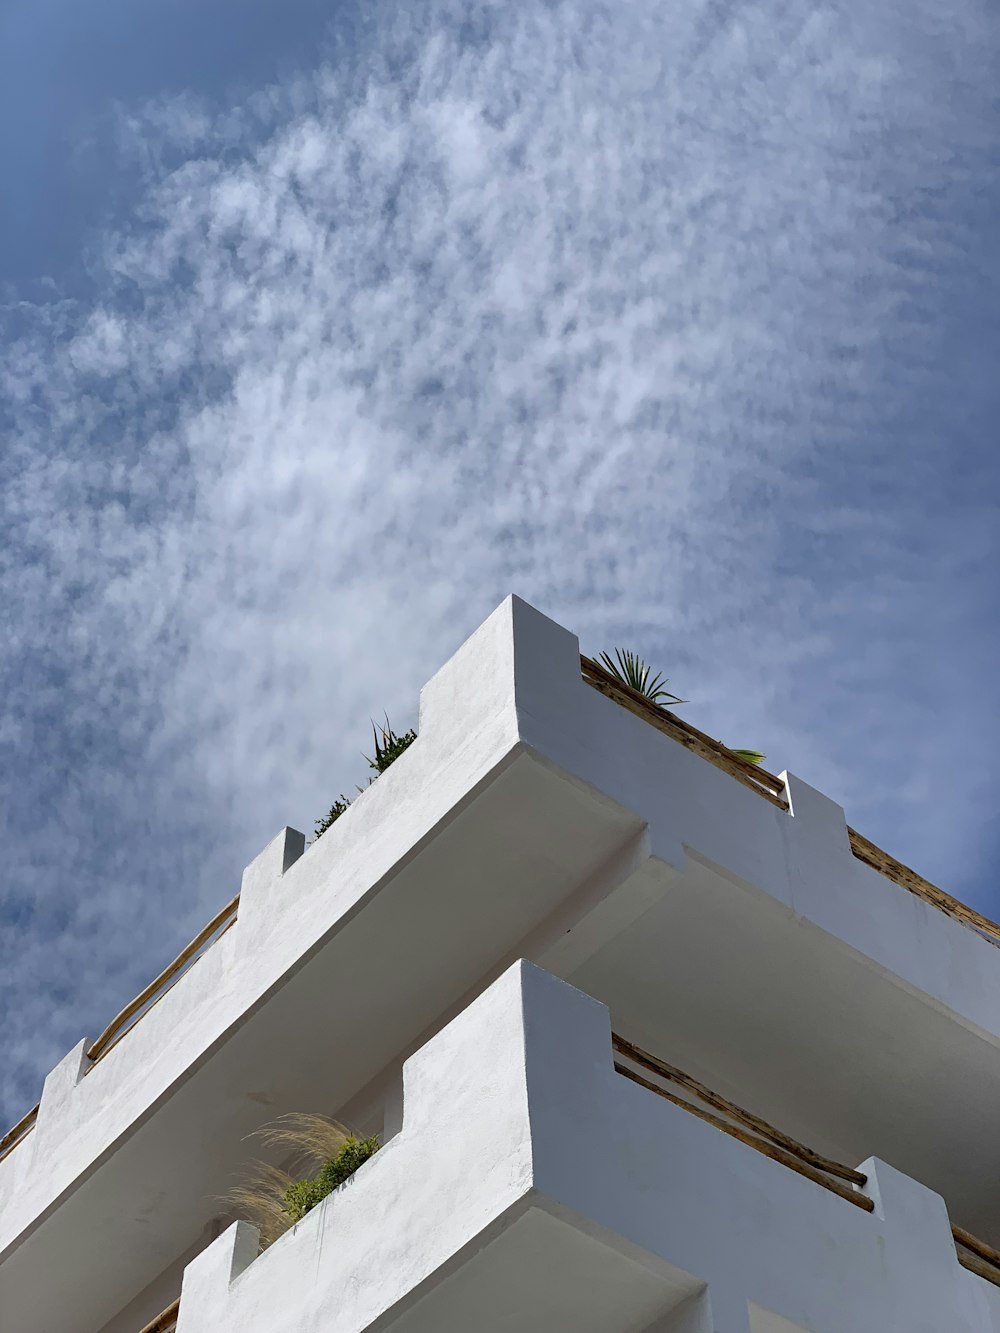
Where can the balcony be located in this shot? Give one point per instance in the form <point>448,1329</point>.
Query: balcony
<point>531,1186</point>
<point>729,919</point>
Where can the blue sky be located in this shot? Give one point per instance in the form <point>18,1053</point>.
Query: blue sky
<point>320,336</point>
<point>69,69</point>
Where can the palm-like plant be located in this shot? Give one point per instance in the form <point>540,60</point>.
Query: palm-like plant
<point>632,671</point>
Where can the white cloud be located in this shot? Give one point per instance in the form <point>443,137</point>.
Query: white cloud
<point>646,314</point>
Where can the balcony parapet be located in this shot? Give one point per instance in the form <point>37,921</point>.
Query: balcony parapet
<point>526,672</point>
<point>489,839</point>
<point>772,787</point>
<point>530,1183</point>
<point>287,903</point>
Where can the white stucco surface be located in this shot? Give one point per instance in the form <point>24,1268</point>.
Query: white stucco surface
<point>532,818</point>
<point>532,1187</point>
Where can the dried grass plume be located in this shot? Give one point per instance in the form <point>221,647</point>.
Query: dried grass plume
<point>309,1141</point>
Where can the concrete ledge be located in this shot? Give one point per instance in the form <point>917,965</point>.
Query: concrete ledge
<point>461,1161</point>
<point>531,1186</point>
<point>527,798</point>
<point>295,905</point>
<point>801,857</point>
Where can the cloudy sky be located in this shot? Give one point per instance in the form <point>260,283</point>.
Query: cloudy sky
<point>326,326</point>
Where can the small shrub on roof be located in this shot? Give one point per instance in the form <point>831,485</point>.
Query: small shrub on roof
<point>388,747</point>
<point>631,670</point>
<point>339,807</point>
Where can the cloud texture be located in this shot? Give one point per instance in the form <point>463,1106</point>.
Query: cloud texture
<point>680,321</point>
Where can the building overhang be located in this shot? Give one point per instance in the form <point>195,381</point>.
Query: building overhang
<point>532,1187</point>
<point>531,818</point>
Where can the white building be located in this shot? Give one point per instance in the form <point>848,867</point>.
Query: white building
<point>545,867</point>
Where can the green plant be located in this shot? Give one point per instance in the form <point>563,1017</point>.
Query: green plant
<point>339,807</point>
<point>388,747</point>
<point>751,756</point>
<point>273,1198</point>
<point>302,1195</point>
<point>632,671</point>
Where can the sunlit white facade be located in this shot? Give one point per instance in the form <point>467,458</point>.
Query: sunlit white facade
<point>543,868</point>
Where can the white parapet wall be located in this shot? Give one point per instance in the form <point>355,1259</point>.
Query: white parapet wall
<point>403,908</point>
<point>532,1187</point>
<point>532,818</point>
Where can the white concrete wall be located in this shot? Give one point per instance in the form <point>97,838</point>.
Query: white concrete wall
<point>515,686</point>
<point>802,858</point>
<point>757,1233</point>
<point>468,726</point>
<point>514,1111</point>
<point>128,1142</point>
<point>516,681</point>
<point>461,1160</point>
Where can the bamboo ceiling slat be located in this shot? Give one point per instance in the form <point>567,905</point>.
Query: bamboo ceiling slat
<point>166,1321</point>
<point>747,1118</point>
<point>981,1267</point>
<point>759,779</point>
<point>772,789</point>
<point>900,874</point>
<point>18,1132</point>
<point>161,983</point>
<point>764,1146</point>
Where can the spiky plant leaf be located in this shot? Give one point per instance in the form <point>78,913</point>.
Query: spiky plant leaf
<point>631,670</point>
<point>388,746</point>
<point>751,756</point>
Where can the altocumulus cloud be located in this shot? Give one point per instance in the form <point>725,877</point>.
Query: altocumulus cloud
<point>677,320</point>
